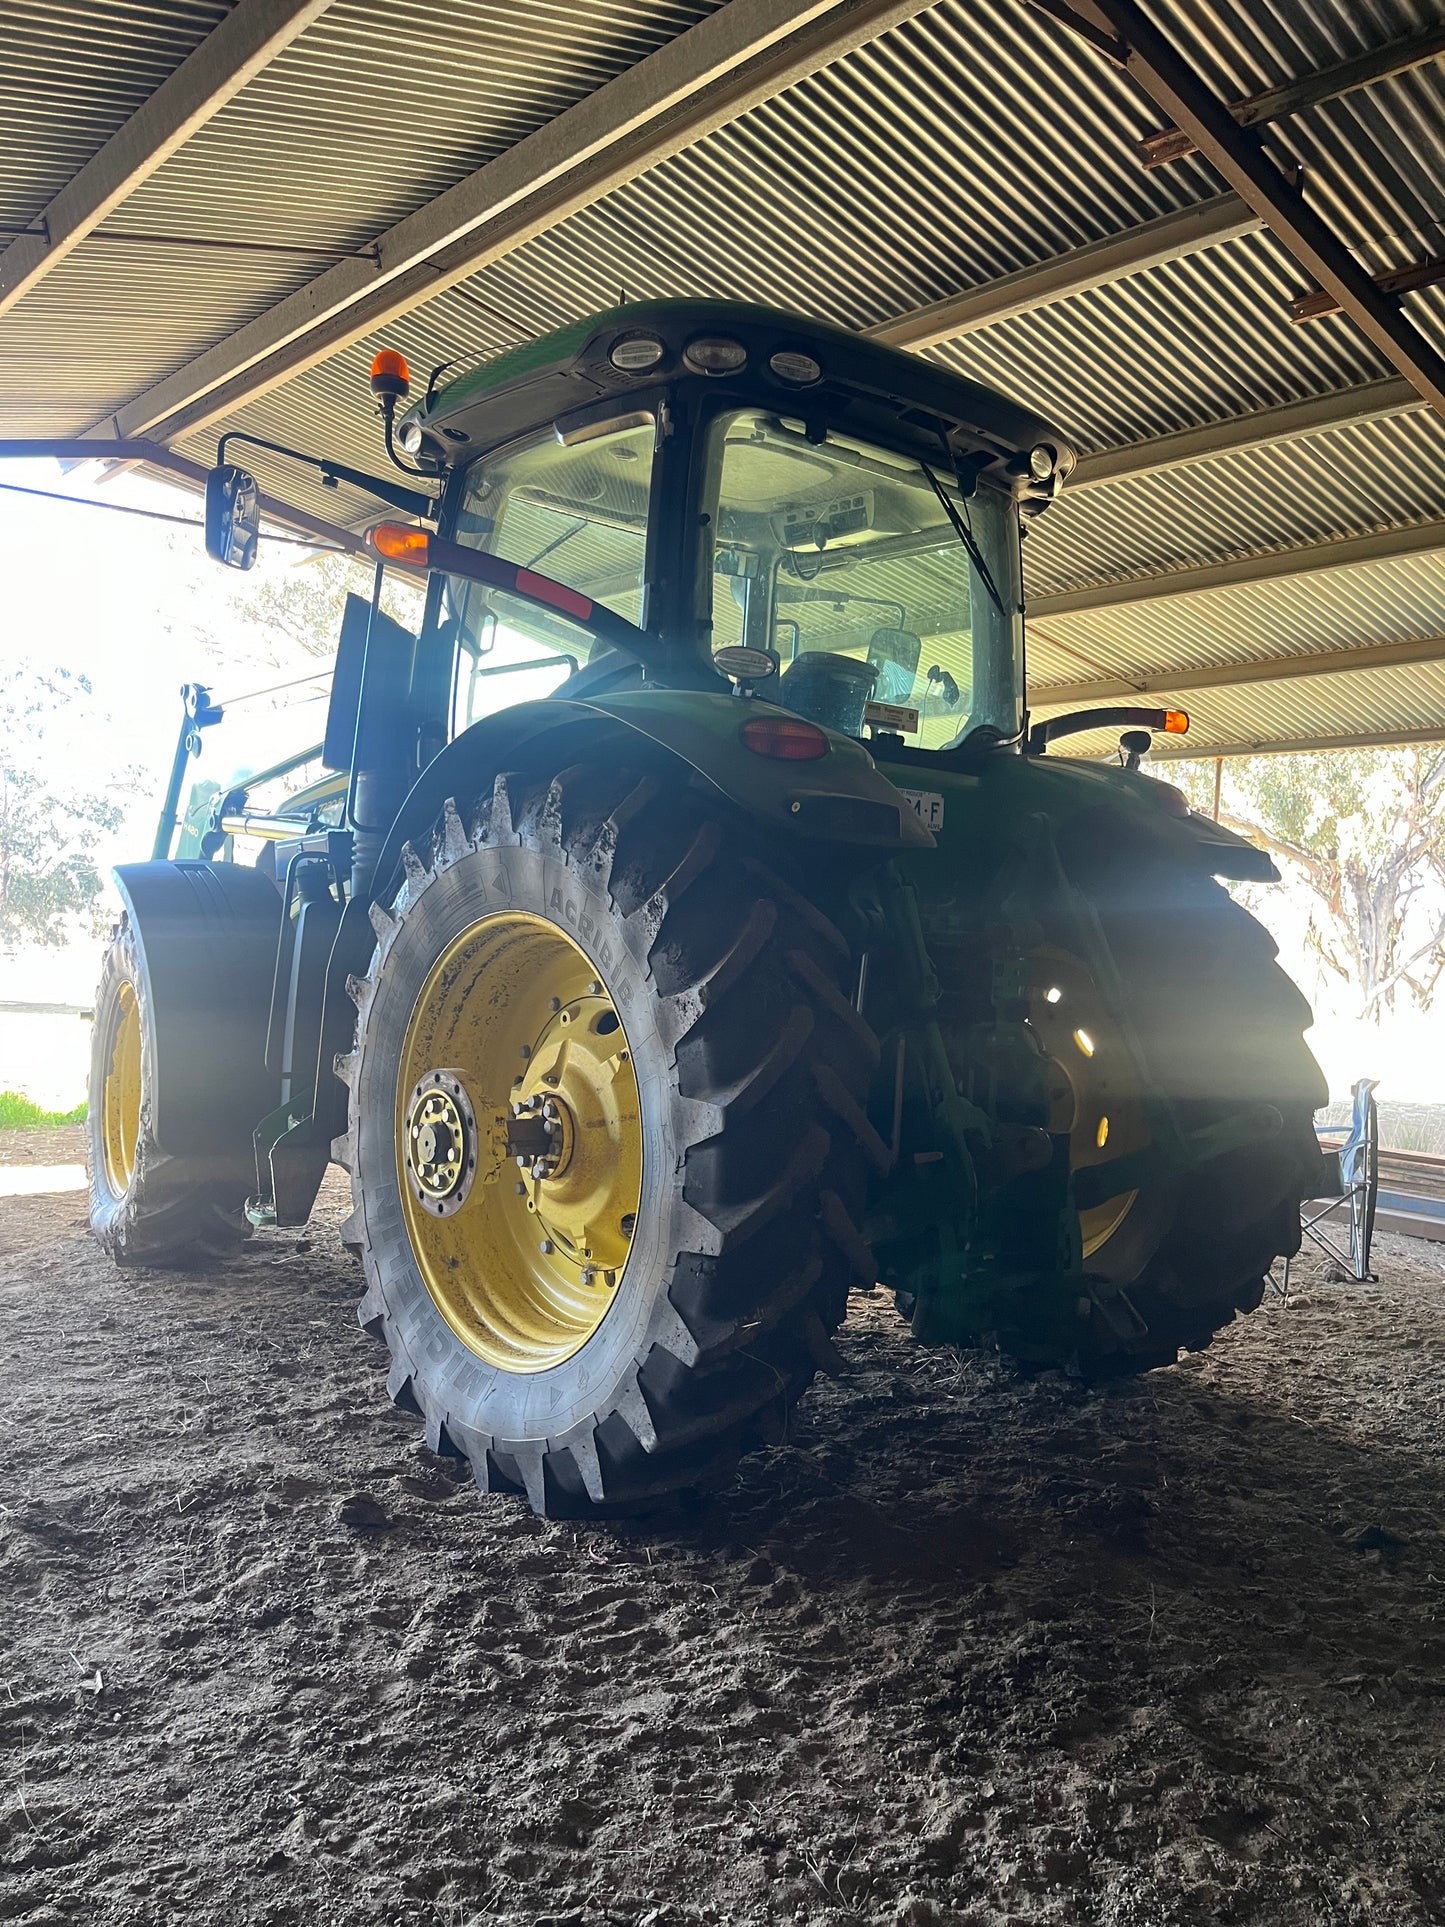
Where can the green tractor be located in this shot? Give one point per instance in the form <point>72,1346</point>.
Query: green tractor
<point>689,926</point>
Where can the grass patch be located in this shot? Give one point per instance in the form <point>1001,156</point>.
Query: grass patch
<point>18,1113</point>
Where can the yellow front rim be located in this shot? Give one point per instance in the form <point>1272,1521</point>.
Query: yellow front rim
<point>1094,1088</point>
<point>120,1120</point>
<point>518,1141</point>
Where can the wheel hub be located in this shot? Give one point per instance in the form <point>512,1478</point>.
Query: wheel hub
<point>441,1143</point>
<point>522,1223</point>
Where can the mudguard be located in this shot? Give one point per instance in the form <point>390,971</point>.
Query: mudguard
<point>206,937</point>
<point>838,798</point>
<point>1227,854</point>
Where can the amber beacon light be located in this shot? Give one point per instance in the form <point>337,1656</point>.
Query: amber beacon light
<point>390,376</point>
<point>400,544</point>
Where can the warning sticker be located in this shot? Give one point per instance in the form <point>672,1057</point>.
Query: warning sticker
<point>891,716</point>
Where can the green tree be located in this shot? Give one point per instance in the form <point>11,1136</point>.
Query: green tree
<point>1364,830</point>
<point>48,829</point>
<point>300,606</point>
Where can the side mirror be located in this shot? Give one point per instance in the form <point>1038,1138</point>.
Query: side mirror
<point>233,516</point>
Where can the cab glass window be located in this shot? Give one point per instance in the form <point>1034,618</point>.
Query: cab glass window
<point>573,509</point>
<point>846,559</point>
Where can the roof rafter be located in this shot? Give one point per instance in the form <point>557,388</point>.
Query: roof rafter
<point>1231,675</point>
<point>740,55</point>
<point>1350,551</point>
<point>234,52</point>
<point>1367,401</point>
<point>1292,745</point>
<point>1169,237</point>
<point>1162,71</point>
<point>1295,96</point>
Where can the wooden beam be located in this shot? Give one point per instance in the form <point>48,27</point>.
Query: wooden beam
<point>1158,66</point>
<point>1368,401</point>
<point>246,40</point>
<point>1345,553</point>
<point>743,53</point>
<point>1170,237</point>
<point>1233,675</point>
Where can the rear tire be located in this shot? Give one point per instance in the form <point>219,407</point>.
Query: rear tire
<point>751,1069</point>
<point>147,1207</point>
<point>1221,1027</point>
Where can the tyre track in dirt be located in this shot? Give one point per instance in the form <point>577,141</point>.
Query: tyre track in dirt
<point>962,1649</point>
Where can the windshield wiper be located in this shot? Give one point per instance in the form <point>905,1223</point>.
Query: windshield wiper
<point>969,540</point>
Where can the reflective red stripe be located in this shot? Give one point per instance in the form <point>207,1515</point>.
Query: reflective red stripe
<point>555,593</point>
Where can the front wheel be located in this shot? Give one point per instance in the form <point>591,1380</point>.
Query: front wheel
<point>604,1137</point>
<point>148,1207</point>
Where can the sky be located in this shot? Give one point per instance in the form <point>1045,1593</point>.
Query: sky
<point>138,608</point>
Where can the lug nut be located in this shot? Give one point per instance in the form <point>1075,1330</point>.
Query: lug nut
<point>546,1247</point>
<point>594,989</point>
<point>588,1274</point>
<point>526,1052</point>
<point>554,1004</point>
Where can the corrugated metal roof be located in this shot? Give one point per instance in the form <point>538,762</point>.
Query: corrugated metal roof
<point>73,74</point>
<point>972,142</point>
<point>410,102</point>
<point>1338,608</point>
<point>1350,481</point>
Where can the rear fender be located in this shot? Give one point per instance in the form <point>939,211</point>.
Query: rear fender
<point>838,798</point>
<point>206,935</point>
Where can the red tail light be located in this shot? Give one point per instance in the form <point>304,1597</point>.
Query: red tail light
<point>786,738</point>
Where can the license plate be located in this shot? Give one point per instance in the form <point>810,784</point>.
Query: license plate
<point>927,807</point>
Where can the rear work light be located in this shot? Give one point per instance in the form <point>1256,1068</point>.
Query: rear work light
<point>785,738</point>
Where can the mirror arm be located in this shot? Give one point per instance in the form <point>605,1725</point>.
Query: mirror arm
<point>409,500</point>
<point>1075,722</point>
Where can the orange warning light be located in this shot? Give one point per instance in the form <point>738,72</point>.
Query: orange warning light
<point>400,544</point>
<point>390,374</point>
<point>1176,722</point>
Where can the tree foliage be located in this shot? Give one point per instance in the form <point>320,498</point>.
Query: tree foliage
<point>49,825</point>
<point>1364,830</point>
<point>300,607</point>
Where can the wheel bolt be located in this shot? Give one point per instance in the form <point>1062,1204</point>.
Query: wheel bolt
<point>546,1247</point>
<point>594,989</point>
<point>554,1004</point>
<point>519,1187</point>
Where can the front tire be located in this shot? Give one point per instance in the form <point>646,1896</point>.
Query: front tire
<point>719,1227</point>
<point>147,1207</point>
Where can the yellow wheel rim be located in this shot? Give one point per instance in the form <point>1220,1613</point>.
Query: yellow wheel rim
<point>120,1101</point>
<point>1094,1088</point>
<point>518,1141</point>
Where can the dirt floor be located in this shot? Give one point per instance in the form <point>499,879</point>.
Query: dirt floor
<point>964,1650</point>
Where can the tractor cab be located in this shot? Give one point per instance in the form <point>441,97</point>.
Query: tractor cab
<point>725,481</point>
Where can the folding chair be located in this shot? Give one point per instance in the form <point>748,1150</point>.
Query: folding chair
<point>1358,1159</point>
